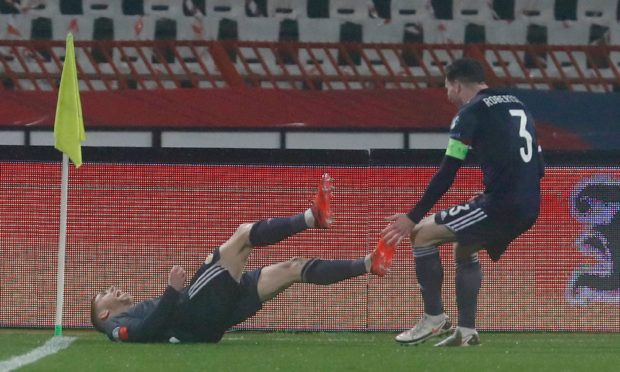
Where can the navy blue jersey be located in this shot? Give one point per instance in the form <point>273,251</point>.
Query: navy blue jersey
<point>202,312</point>
<point>147,321</point>
<point>501,133</point>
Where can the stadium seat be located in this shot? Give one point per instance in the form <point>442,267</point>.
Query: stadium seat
<point>163,8</point>
<point>15,27</point>
<point>194,29</point>
<point>71,7</point>
<point>503,9</point>
<point>287,8</point>
<point>472,10</point>
<point>318,30</point>
<point>92,60</point>
<point>197,28</point>
<point>505,32</point>
<point>49,8</point>
<point>102,8</point>
<point>19,59</point>
<point>226,8</point>
<point>352,10</point>
<point>411,10</point>
<point>133,28</point>
<point>288,32</point>
<point>442,32</point>
<point>567,33</point>
<point>77,25</point>
<point>534,10</point>
<point>132,7</point>
<point>258,29</point>
<point>383,61</point>
<point>597,11</point>
<point>377,31</point>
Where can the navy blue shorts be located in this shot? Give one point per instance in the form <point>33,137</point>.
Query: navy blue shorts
<point>217,302</point>
<point>476,223</point>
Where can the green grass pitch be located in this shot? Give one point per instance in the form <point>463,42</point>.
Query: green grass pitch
<point>338,351</point>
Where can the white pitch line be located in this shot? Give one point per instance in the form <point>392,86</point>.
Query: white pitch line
<point>52,346</point>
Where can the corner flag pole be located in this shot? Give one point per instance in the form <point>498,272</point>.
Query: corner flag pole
<point>68,135</point>
<point>62,244</point>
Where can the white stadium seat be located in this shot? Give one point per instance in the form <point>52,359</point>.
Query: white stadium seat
<point>411,10</point>
<point>442,32</point>
<point>291,9</point>
<point>348,9</point>
<point>505,32</point>
<point>534,10</point>
<point>567,33</point>
<point>225,8</point>
<point>163,8</point>
<point>102,8</point>
<point>472,10</point>
<point>597,11</point>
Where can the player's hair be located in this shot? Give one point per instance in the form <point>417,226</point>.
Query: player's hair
<point>465,70</point>
<point>94,319</point>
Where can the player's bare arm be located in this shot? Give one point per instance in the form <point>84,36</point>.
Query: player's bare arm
<point>400,228</point>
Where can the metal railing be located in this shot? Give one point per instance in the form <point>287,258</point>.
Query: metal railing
<point>117,65</point>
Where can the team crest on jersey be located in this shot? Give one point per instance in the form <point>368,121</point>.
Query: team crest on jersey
<point>120,334</point>
<point>455,121</point>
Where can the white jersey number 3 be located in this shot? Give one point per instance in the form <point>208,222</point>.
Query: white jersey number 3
<point>526,153</point>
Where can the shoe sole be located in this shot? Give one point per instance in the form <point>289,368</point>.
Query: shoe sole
<point>442,333</point>
<point>322,214</point>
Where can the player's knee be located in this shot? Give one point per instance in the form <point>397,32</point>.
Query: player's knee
<point>243,231</point>
<point>296,264</point>
<point>465,253</point>
<point>427,233</point>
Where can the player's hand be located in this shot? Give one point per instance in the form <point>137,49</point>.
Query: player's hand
<point>400,228</point>
<point>176,278</point>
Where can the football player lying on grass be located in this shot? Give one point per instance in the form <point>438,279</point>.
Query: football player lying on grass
<point>220,294</point>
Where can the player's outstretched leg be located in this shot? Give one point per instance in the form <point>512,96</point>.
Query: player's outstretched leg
<point>278,277</point>
<point>319,215</point>
<point>235,251</point>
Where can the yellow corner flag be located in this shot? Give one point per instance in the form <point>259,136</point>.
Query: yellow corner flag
<point>69,125</point>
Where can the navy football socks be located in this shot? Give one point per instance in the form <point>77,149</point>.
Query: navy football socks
<point>326,272</point>
<point>274,230</point>
<point>429,272</point>
<point>468,282</point>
